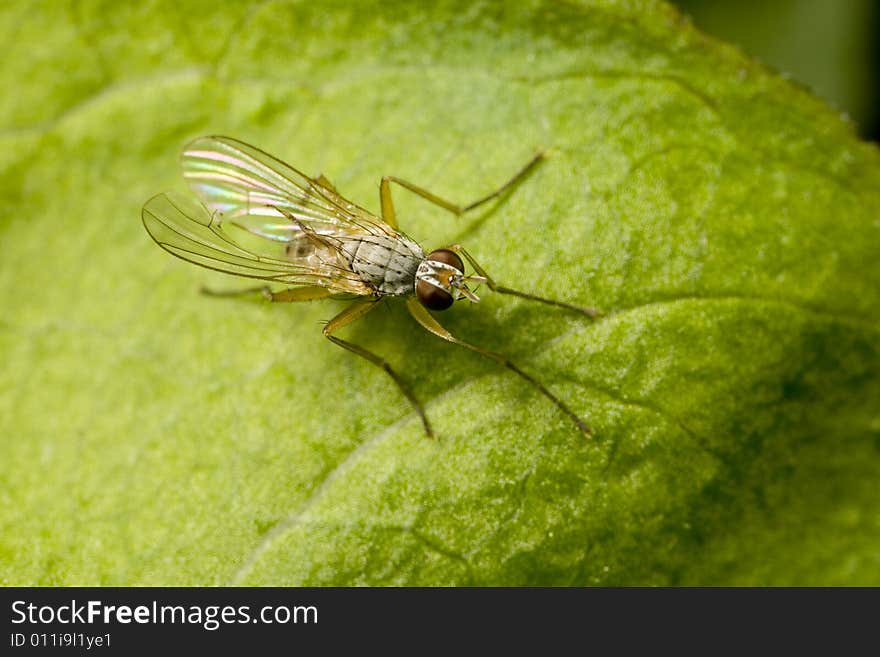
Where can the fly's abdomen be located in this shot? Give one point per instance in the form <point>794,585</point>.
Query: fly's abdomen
<point>387,264</point>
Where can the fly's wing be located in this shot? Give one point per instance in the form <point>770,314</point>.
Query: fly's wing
<point>262,194</point>
<point>186,228</point>
<point>261,218</point>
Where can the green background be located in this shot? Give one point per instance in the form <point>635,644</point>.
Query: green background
<point>727,221</point>
<point>827,45</point>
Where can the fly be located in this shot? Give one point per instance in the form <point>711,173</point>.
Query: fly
<point>260,218</point>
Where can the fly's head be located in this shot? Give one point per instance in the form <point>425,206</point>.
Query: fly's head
<point>440,280</point>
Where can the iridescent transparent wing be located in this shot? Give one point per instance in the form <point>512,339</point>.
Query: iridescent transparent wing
<point>187,229</point>
<point>256,190</point>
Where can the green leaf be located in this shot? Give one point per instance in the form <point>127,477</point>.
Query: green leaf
<point>724,219</point>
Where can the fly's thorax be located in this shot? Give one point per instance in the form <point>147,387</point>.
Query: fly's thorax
<point>386,263</point>
<point>440,280</point>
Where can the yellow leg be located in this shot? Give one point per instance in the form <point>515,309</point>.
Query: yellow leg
<point>353,313</point>
<point>423,317</point>
<point>589,312</point>
<point>390,216</point>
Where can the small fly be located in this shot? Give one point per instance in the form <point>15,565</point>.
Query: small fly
<point>260,218</point>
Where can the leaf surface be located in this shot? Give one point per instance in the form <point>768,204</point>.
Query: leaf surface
<point>724,219</point>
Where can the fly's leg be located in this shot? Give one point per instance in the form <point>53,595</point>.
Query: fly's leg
<point>291,295</point>
<point>353,313</point>
<point>500,289</point>
<point>390,216</point>
<point>423,317</point>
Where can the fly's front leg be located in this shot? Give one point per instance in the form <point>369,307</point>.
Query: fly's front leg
<point>423,317</point>
<point>290,295</point>
<point>500,289</point>
<point>353,313</point>
<point>390,216</point>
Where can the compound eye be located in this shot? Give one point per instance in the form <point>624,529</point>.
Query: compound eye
<point>447,257</point>
<point>432,297</point>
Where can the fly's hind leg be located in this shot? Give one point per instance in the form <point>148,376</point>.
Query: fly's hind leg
<point>423,317</point>
<point>353,313</point>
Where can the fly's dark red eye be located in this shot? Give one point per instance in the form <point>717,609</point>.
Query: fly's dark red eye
<point>432,297</point>
<point>447,257</point>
